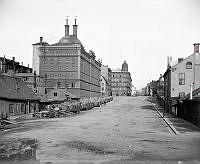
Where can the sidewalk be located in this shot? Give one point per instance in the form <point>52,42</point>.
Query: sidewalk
<point>177,125</point>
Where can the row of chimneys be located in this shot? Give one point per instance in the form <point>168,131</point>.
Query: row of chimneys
<point>74,28</point>
<point>13,58</point>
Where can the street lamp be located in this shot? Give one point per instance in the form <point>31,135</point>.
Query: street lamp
<point>191,89</point>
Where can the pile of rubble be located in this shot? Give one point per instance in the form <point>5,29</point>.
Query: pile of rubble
<point>15,148</point>
<point>70,108</point>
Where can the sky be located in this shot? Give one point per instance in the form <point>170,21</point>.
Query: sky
<point>142,32</point>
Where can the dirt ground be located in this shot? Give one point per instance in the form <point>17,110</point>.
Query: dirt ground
<point>126,129</point>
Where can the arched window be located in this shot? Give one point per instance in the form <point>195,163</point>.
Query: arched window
<point>189,65</point>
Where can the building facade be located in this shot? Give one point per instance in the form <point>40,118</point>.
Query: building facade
<point>66,65</point>
<point>16,97</point>
<point>33,81</point>
<point>8,66</point>
<point>179,78</point>
<point>104,86</point>
<point>121,81</point>
<point>105,80</point>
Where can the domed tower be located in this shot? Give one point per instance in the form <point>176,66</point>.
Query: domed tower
<point>124,67</point>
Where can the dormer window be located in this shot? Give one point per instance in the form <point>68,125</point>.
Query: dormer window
<point>189,65</point>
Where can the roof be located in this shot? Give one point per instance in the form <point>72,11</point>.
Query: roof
<point>104,79</point>
<point>67,40</point>
<point>183,60</point>
<point>70,95</point>
<point>25,75</point>
<point>42,44</point>
<point>166,72</point>
<point>15,88</point>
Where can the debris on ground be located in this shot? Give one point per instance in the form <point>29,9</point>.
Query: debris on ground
<point>18,148</point>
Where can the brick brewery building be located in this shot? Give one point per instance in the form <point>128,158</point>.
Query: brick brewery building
<point>66,65</point>
<point>121,81</point>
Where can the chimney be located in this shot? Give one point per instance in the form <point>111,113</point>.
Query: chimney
<point>34,79</point>
<point>41,40</point>
<point>180,60</point>
<point>13,58</point>
<point>196,47</point>
<point>28,65</point>
<point>66,28</point>
<point>75,28</point>
<point>22,63</point>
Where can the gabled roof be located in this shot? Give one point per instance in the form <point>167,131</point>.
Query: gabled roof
<point>166,72</point>
<point>15,88</point>
<point>183,60</point>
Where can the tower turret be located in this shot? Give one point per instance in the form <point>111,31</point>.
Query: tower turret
<point>124,67</point>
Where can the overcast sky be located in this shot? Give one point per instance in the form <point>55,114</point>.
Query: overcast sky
<point>142,32</point>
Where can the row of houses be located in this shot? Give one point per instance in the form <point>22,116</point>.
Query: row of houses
<point>61,71</point>
<point>179,87</point>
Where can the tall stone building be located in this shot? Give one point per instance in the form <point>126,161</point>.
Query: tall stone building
<point>105,80</point>
<point>121,81</point>
<point>66,65</point>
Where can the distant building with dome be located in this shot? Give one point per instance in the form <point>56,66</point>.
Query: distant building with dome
<point>121,82</point>
<point>66,65</point>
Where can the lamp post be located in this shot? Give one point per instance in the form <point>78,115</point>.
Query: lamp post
<point>191,89</point>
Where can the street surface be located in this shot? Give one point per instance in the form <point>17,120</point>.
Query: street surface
<point>126,129</point>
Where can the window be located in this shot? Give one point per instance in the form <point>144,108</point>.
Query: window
<point>51,68</point>
<point>51,76</point>
<point>181,94</point>
<point>25,78</point>
<point>45,75</point>
<point>55,94</point>
<point>22,108</point>
<point>11,108</point>
<point>66,85</point>
<point>73,85</point>
<point>59,61</point>
<point>59,75</point>
<point>181,78</point>
<point>51,61</point>
<point>59,67</point>
<point>102,88</point>
<point>189,65</point>
<point>45,61</point>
